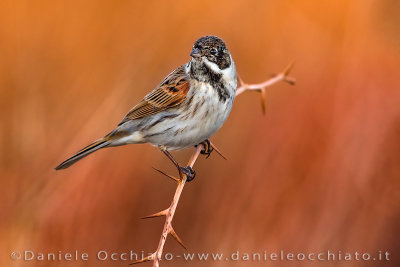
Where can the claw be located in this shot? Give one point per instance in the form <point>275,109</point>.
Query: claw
<point>207,148</point>
<point>189,172</point>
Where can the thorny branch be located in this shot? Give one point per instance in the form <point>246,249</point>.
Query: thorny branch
<point>261,87</point>
<point>170,211</point>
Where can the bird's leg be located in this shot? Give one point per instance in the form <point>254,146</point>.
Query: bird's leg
<point>207,148</point>
<point>188,171</point>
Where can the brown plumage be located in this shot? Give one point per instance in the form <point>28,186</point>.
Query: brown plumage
<point>171,92</point>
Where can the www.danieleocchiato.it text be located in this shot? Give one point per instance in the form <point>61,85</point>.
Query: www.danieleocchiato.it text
<point>103,255</point>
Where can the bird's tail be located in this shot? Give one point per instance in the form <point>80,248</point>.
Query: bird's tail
<point>103,142</point>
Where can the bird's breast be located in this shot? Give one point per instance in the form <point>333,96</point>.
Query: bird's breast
<point>196,119</point>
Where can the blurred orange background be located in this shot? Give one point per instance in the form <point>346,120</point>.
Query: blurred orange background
<point>320,171</point>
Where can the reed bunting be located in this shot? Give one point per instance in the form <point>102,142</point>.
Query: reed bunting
<point>188,107</point>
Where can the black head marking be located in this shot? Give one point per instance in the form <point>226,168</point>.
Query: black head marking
<point>214,49</point>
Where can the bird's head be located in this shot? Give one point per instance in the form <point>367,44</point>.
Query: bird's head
<point>211,51</point>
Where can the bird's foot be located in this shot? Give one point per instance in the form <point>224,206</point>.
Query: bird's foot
<point>189,172</point>
<point>207,148</point>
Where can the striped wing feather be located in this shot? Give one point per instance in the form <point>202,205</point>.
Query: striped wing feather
<point>171,92</point>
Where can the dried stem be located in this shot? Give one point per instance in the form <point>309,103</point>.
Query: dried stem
<point>169,212</point>
<point>283,76</point>
<point>261,87</point>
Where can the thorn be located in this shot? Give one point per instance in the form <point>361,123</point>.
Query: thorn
<point>148,258</point>
<point>218,151</point>
<point>173,233</point>
<point>288,68</point>
<point>290,80</point>
<point>286,72</point>
<point>158,214</point>
<point>240,80</point>
<point>262,96</point>
<point>169,176</point>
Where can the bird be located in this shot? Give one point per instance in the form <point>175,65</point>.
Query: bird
<point>183,111</point>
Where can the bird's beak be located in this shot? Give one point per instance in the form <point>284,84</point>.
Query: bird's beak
<point>195,53</point>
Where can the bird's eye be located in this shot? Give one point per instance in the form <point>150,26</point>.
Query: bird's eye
<point>213,51</point>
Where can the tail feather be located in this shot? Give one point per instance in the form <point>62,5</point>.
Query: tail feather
<point>83,153</point>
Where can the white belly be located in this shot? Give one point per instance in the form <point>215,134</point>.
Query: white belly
<point>194,123</point>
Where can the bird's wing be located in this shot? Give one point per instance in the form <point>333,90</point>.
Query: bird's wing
<point>171,92</point>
